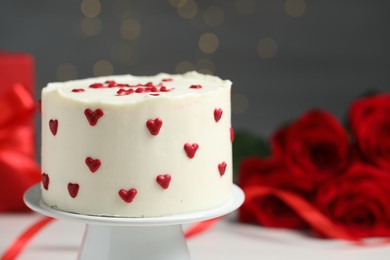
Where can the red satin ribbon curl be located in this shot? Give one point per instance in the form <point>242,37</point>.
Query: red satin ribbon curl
<point>18,169</point>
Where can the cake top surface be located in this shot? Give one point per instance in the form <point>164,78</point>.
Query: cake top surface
<point>128,88</point>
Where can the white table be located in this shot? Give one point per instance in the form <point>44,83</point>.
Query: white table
<point>228,240</point>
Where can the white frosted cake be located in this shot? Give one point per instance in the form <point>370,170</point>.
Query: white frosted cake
<point>137,146</point>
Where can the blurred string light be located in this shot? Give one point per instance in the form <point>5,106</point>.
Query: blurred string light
<point>208,43</point>
<point>295,8</point>
<point>103,68</point>
<point>213,16</point>
<point>188,10</point>
<point>205,66</point>
<point>267,48</point>
<point>245,7</point>
<point>184,66</point>
<point>240,103</point>
<point>130,29</point>
<point>91,26</point>
<point>66,71</point>
<point>125,54</point>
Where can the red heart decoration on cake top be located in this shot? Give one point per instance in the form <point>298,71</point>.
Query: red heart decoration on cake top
<point>222,168</point>
<point>73,189</point>
<point>53,125</point>
<point>127,195</point>
<point>93,164</point>
<point>45,181</point>
<point>154,125</point>
<point>164,180</point>
<point>217,114</point>
<point>191,149</point>
<point>93,116</point>
<point>231,134</point>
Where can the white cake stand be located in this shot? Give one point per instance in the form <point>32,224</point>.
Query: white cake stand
<point>112,238</point>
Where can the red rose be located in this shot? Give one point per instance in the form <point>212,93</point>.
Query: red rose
<point>370,122</point>
<point>358,201</point>
<point>315,146</point>
<point>269,210</point>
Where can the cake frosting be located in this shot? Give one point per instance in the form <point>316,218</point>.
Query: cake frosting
<point>137,146</point>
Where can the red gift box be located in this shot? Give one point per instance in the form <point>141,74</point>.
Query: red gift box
<point>18,168</point>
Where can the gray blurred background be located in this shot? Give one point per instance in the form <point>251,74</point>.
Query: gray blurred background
<point>283,56</point>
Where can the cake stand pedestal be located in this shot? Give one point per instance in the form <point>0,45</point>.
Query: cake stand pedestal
<point>116,238</point>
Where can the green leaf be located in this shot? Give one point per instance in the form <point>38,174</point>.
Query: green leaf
<point>247,144</point>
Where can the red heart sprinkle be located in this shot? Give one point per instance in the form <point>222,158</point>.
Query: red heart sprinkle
<point>217,114</point>
<point>196,86</point>
<point>231,134</point>
<point>93,116</point>
<point>127,195</point>
<point>78,90</point>
<point>73,189</point>
<point>167,80</point>
<point>191,149</point>
<point>222,168</point>
<point>53,125</point>
<point>96,85</point>
<point>45,181</point>
<point>164,180</point>
<point>93,164</point>
<point>154,125</point>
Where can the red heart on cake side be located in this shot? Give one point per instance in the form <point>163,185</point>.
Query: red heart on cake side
<point>127,195</point>
<point>191,149</point>
<point>222,168</point>
<point>231,134</point>
<point>217,114</point>
<point>45,181</point>
<point>154,126</point>
<point>164,180</point>
<point>93,164</point>
<point>93,116</point>
<point>73,189</point>
<point>53,125</point>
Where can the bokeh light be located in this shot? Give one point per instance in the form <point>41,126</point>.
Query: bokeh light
<point>184,66</point>
<point>122,9</point>
<point>205,66</point>
<point>90,8</point>
<point>240,103</point>
<point>91,26</point>
<point>103,68</point>
<point>126,54</point>
<point>66,71</point>
<point>213,16</point>
<point>295,8</point>
<point>267,48</point>
<point>130,29</point>
<point>188,10</point>
<point>208,43</point>
<point>177,3</point>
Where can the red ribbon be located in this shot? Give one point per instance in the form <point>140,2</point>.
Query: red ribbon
<point>18,169</point>
<point>21,242</point>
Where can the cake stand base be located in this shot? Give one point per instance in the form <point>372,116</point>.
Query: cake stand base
<point>117,238</point>
<point>148,243</point>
